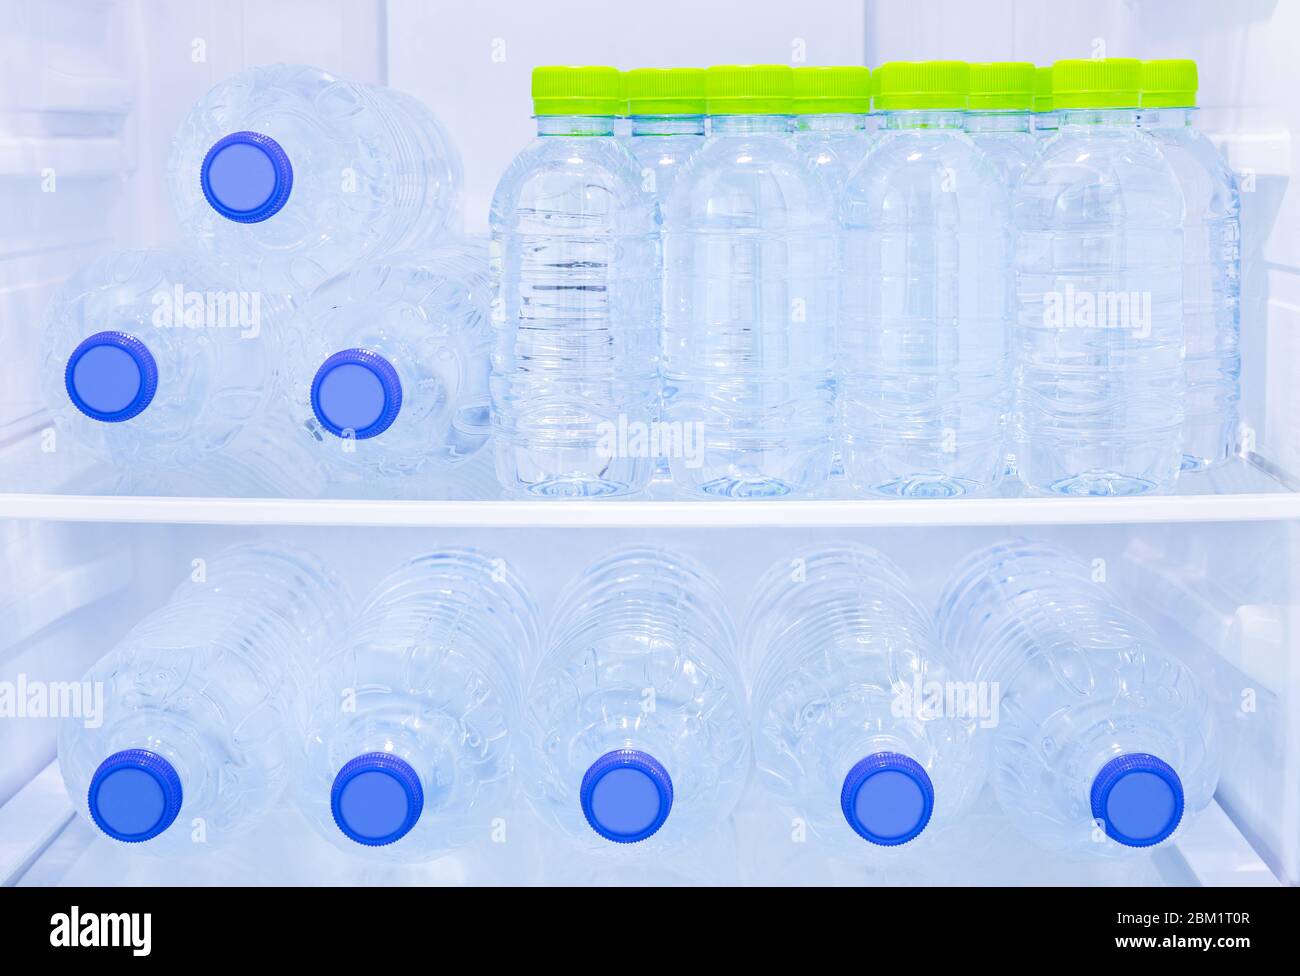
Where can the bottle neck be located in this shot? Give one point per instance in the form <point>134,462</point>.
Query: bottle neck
<point>750,123</point>
<point>575,125</point>
<point>1165,118</point>
<point>837,122</point>
<point>923,119</point>
<point>1046,121</point>
<point>667,125</point>
<point>997,121</point>
<point>1109,117</point>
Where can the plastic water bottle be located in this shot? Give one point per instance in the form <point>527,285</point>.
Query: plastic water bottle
<point>637,710</point>
<point>853,721</point>
<point>831,106</point>
<point>396,355</point>
<point>575,385</point>
<point>1098,346</point>
<point>1045,121</point>
<point>666,106</point>
<point>412,718</point>
<point>1106,742</point>
<point>1211,262</point>
<point>203,716</point>
<point>749,284</point>
<point>156,359</point>
<point>298,175</point>
<point>926,297</point>
<point>998,116</point>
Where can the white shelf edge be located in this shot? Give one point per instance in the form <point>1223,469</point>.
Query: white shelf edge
<point>1218,855</point>
<point>30,821</point>
<point>884,513</point>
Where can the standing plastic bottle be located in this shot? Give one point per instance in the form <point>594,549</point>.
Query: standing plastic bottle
<point>666,107</point>
<point>926,297</point>
<point>393,374</point>
<point>575,383</point>
<point>412,719</point>
<point>848,727</point>
<point>1211,262</point>
<point>154,359</point>
<point>749,284</point>
<point>298,175</point>
<point>203,719</point>
<point>831,106</point>
<point>1098,346</point>
<point>637,711</point>
<point>1045,121</point>
<point>1106,742</point>
<point>998,116</point>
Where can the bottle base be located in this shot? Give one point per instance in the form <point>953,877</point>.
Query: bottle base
<point>570,487</point>
<point>726,487</point>
<point>1108,484</point>
<point>1193,463</point>
<point>926,486</point>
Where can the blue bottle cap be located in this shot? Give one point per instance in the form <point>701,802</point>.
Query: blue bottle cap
<point>356,390</point>
<point>111,376</point>
<point>376,799</point>
<point>246,177</point>
<point>1138,798</point>
<point>887,798</point>
<point>134,795</point>
<point>626,795</point>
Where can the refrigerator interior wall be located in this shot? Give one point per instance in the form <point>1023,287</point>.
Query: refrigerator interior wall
<point>1222,595</point>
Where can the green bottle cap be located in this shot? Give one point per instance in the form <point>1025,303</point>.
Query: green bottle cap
<point>1169,84</point>
<point>1043,89</point>
<point>750,89</point>
<point>1096,83</point>
<point>566,90</point>
<point>904,85</point>
<point>665,91</point>
<point>1001,85</point>
<point>831,91</point>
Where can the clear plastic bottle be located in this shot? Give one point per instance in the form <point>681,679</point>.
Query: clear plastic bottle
<point>1211,262</point>
<point>749,284</point>
<point>1098,346</point>
<point>855,717</point>
<point>575,382</point>
<point>298,175</point>
<point>413,718</point>
<point>636,714</point>
<point>666,109</point>
<point>392,377</point>
<point>1107,743</point>
<point>1045,121</point>
<point>203,714</point>
<point>999,116</point>
<point>831,106</point>
<point>925,293</point>
<point>155,359</point>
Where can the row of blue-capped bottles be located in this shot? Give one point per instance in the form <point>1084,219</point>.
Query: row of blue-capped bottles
<point>319,331</point>
<point>402,729</point>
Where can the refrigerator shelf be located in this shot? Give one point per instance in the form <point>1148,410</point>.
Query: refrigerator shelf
<point>1246,507</point>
